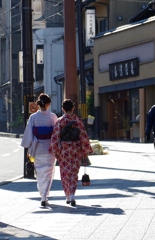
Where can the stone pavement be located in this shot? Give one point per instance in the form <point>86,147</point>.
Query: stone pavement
<point>119,204</point>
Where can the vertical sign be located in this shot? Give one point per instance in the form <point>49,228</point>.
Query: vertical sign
<point>90,26</point>
<point>39,62</point>
<point>20,58</point>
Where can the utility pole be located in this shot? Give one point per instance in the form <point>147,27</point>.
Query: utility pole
<point>70,84</point>
<point>10,68</point>
<point>27,61</point>
<point>81,62</point>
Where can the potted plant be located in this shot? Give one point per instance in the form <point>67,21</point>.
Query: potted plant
<point>126,126</point>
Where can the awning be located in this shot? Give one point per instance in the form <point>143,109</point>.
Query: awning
<point>39,90</point>
<point>88,65</point>
<point>5,85</point>
<point>128,85</point>
<point>147,12</point>
<point>89,79</point>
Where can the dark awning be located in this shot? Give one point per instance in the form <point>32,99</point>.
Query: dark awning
<point>89,79</point>
<point>5,85</point>
<point>39,90</point>
<point>88,65</point>
<point>148,11</point>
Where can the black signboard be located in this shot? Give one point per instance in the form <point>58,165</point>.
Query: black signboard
<point>124,69</point>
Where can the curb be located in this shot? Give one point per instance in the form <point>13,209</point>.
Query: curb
<point>12,135</point>
<point>11,180</point>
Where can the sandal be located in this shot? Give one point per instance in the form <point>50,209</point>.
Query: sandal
<point>73,203</point>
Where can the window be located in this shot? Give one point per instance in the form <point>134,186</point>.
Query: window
<point>104,25</point>
<point>135,105</point>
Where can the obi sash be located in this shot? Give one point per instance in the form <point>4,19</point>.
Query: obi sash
<point>42,132</point>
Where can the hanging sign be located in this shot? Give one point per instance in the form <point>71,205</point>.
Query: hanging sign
<point>90,26</point>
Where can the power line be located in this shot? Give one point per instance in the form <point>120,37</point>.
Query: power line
<point>59,13</point>
<point>11,8</point>
<point>55,3</point>
<point>139,1</point>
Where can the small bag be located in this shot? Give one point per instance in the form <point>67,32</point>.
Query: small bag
<point>85,178</point>
<point>29,169</point>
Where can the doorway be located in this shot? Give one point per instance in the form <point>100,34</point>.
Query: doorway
<point>119,116</point>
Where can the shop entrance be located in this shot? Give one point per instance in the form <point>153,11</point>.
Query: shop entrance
<point>119,116</point>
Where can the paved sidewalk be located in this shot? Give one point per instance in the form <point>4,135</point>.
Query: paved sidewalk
<point>119,204</point>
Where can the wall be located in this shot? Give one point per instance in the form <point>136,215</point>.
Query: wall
<point>52,39</point>
<point>122,38</point>
<point>125,10</point>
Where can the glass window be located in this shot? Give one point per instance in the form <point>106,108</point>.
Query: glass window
<point>135,105</point>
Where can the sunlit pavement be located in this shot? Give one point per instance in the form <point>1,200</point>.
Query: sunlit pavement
<point>119,204</point>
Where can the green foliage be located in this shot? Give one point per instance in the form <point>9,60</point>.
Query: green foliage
<point>18,116</point>
<point>126,123</point>
<point>90,103</point>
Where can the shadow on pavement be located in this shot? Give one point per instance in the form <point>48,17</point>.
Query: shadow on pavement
<point>27,186</point>
<point>122,169</point>
<point>93,210</point>
<point>132,186</point>
<point>8,231</point>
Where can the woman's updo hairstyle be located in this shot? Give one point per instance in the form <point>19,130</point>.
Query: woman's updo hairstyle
<point>43,99</point>
<point>68,104</point>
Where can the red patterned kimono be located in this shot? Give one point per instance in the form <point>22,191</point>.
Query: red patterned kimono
<point>69,154</point>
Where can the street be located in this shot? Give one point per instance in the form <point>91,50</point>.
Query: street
<point>11,158</point>
<point>119,203</point>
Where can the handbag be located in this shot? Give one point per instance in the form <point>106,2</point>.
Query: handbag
<point>85,177</point>
<point>29,169</point>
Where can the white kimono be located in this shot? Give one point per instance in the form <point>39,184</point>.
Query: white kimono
<point>44,161</point>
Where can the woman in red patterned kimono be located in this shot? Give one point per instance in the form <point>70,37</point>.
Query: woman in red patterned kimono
<point>69,153</point>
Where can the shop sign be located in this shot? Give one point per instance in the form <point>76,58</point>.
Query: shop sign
<point>124,69</point>
<point>90,27</point>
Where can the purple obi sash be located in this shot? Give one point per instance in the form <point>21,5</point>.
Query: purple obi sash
<point>42,132</point>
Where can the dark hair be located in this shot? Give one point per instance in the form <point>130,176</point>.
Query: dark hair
<point>43,99</point>
<point>68,104</point>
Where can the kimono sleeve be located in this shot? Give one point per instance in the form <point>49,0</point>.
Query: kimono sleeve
<point>28,135</point>
<point>55,140</point>
<point>54,118</point>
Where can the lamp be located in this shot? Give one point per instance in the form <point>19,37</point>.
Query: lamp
<point>39,62</point>
<point>40,54</point>
<point>119,18</point>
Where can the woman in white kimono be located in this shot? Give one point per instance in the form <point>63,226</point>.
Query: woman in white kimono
<point>37,136</point>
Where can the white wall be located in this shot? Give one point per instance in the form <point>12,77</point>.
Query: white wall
<point>52,39</point>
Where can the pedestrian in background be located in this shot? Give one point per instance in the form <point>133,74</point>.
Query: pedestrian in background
<point>69,153</point>
<point>150,124</point>
<point>36,138</point>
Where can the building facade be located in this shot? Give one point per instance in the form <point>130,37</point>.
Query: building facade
<point>124,78</point>
<point>47,28</point>
<point>10,41</point>
<point>112,42</point>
